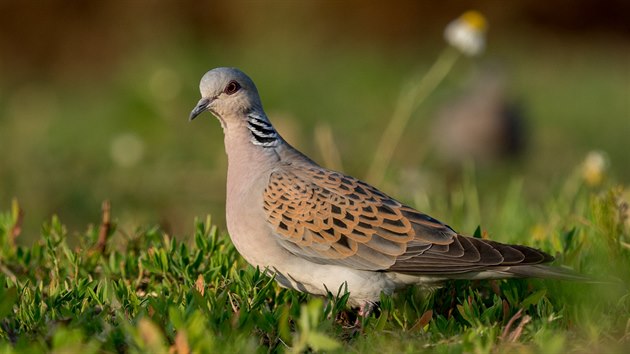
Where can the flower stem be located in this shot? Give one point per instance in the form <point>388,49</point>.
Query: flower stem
<point>408,101</point>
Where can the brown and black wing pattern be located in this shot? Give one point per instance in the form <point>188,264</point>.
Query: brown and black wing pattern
<point>331,218</point>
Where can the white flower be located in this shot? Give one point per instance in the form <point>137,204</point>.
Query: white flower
<point>467,33</point>
<point>594,168</point>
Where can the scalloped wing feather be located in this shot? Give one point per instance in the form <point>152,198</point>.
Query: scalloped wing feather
<point>331,218</point>
<point>328,217</point>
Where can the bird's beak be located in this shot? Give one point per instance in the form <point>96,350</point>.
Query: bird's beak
<point>200,108</point>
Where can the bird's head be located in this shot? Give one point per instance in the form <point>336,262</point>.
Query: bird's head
<point>227,93</point>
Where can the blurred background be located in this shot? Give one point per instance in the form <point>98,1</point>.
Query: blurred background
<point>95,97</point>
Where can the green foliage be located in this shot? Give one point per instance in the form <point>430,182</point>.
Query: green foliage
<point>150,292</point>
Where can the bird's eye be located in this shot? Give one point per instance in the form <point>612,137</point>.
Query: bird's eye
<point>232,87</point>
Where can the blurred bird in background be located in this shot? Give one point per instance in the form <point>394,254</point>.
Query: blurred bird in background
<point>483,123</point>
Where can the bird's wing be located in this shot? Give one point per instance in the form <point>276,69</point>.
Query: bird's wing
<point>331,218</point>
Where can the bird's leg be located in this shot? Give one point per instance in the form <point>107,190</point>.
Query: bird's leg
<point>364,311</point>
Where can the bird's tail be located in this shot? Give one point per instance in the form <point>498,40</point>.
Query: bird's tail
<point>549,272</point>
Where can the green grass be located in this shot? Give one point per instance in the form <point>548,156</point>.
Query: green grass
<point>146,291</point>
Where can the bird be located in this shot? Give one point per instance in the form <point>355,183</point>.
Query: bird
<point>482,124</point>
<point>317,230</point>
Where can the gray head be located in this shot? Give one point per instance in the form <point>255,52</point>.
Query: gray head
<point>227,93</point>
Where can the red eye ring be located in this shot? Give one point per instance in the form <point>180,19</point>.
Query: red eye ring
<point>232,87</point>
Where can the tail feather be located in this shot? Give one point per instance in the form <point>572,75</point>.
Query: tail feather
<point>547,272</point>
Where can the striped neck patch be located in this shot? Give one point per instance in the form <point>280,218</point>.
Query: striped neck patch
<point>263,133</point>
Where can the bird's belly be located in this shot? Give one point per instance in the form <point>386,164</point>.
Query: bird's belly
<point>305,276</point>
